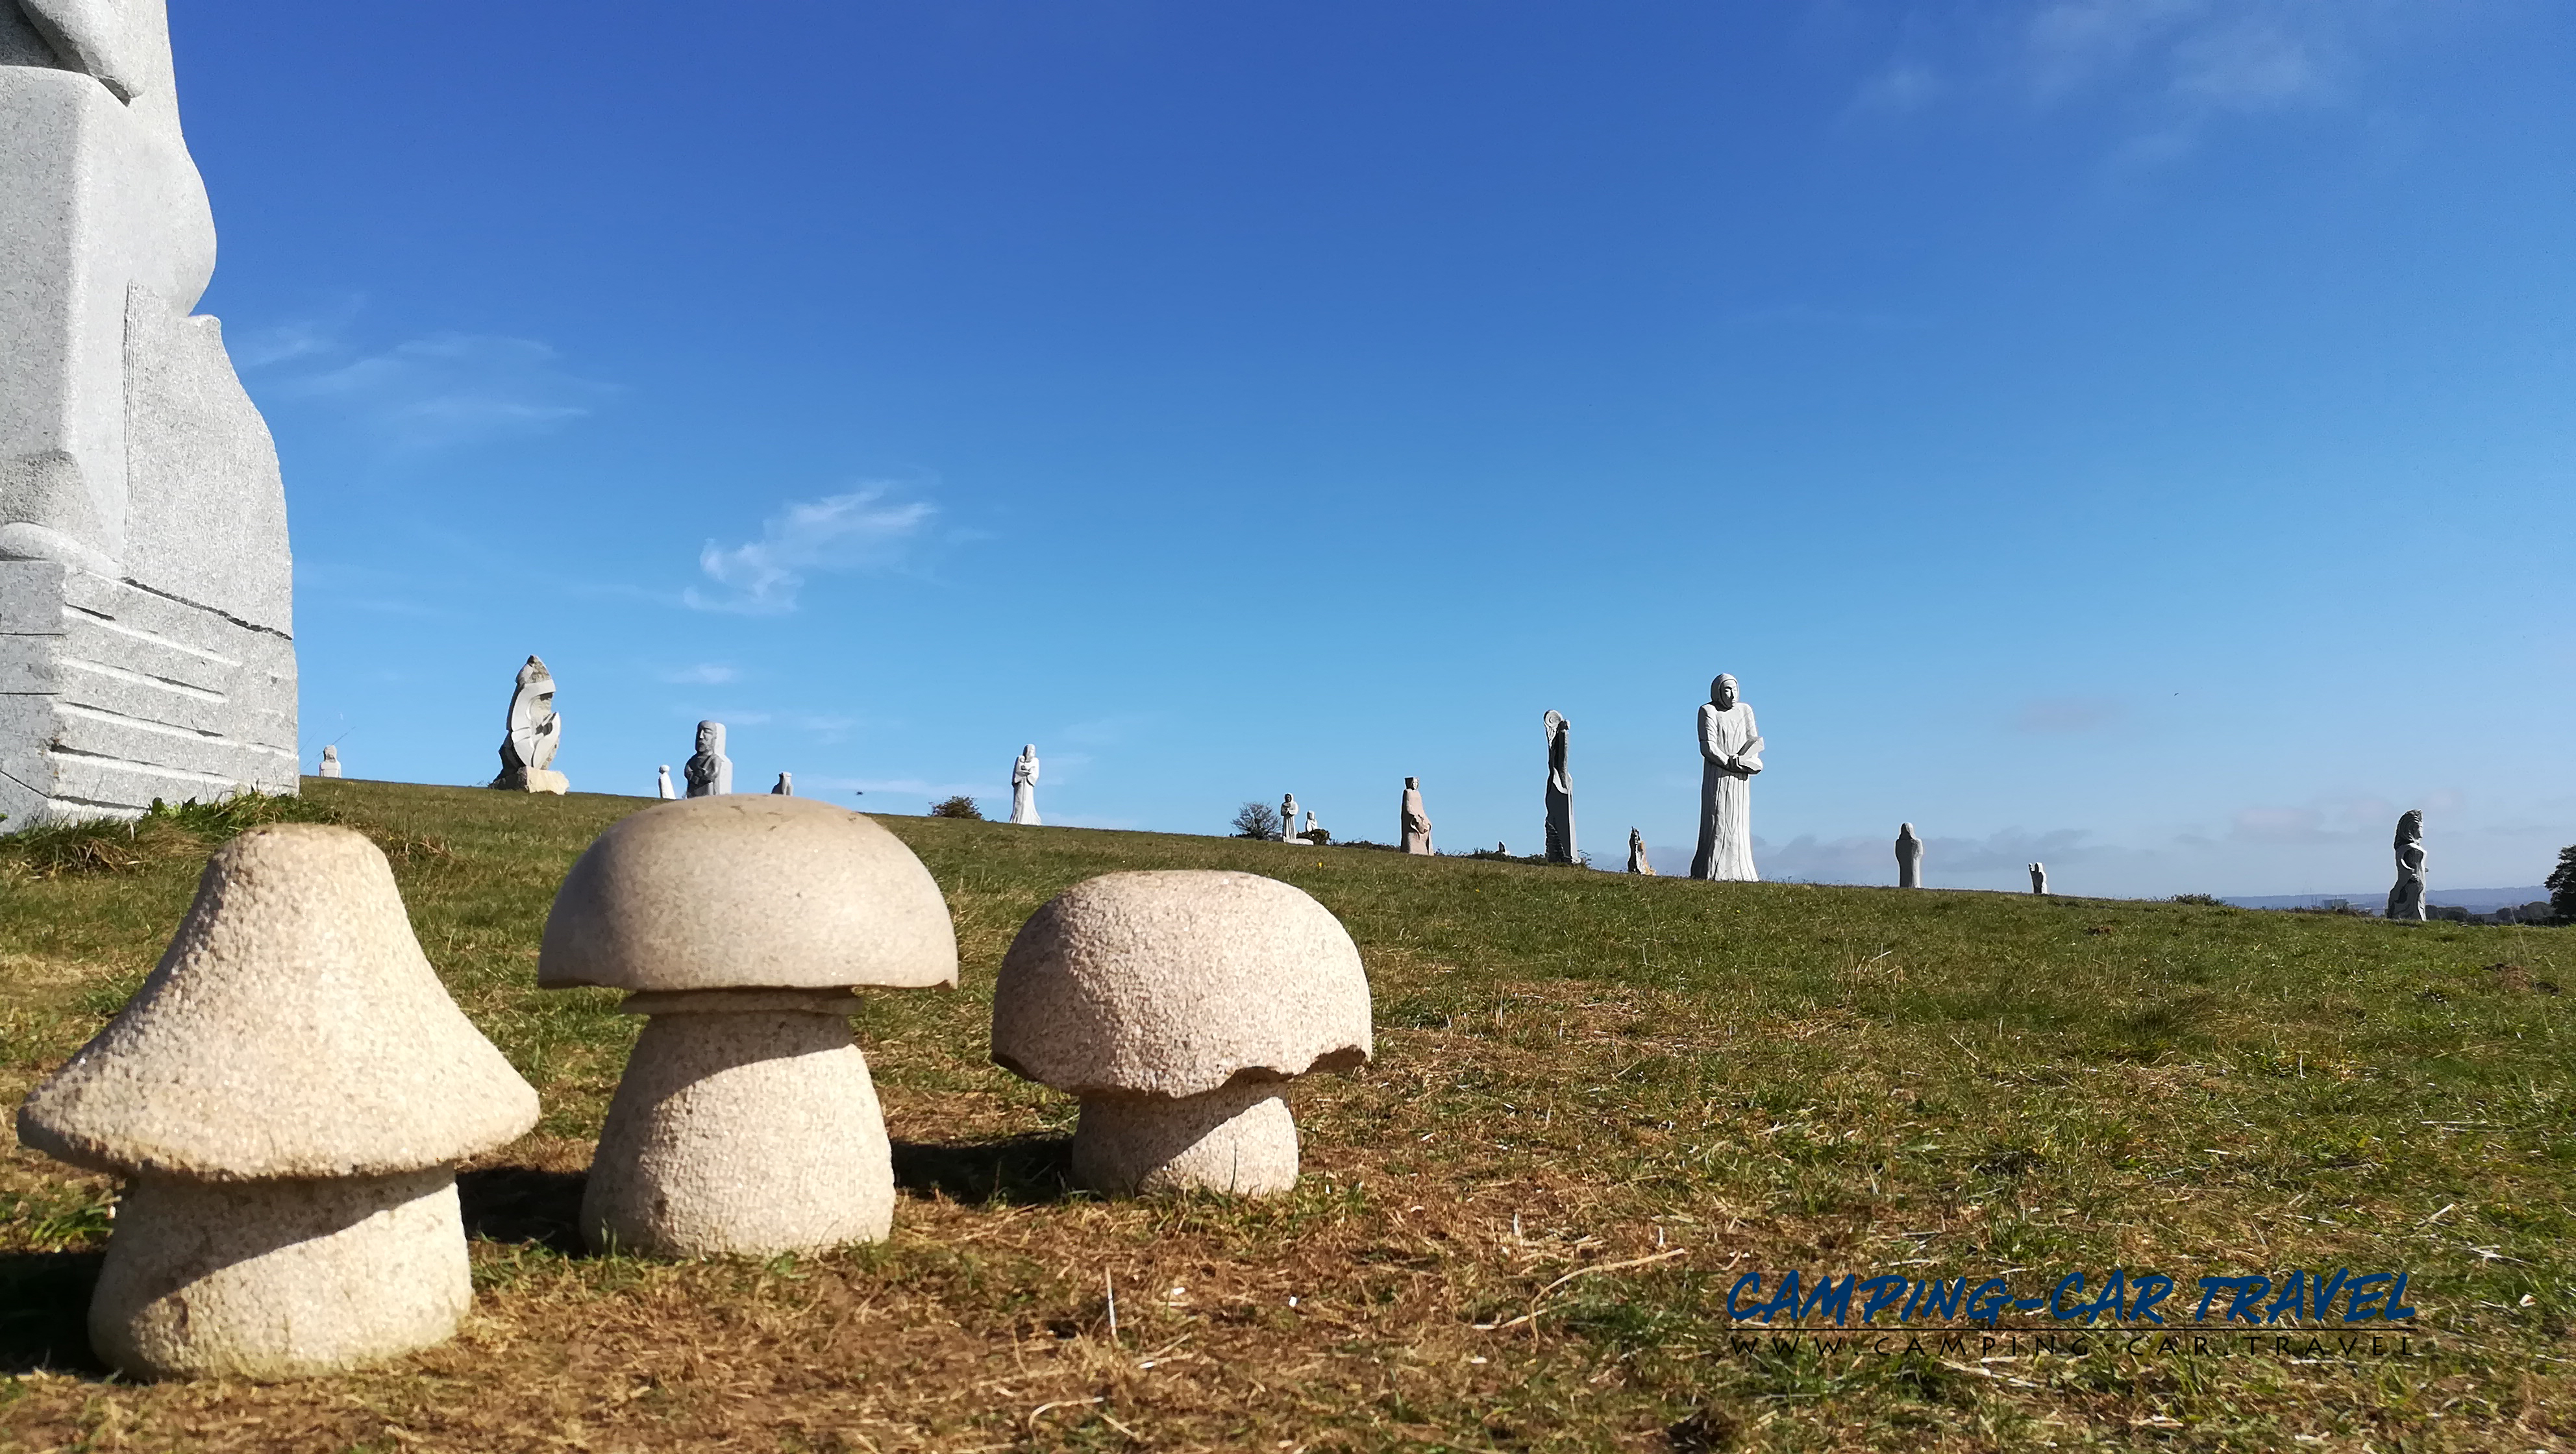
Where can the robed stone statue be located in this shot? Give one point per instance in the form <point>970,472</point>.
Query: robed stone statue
<point>1560,791</point>
<point>1730,753</point>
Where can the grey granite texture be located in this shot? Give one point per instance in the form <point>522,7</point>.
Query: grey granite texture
<point>747,891</point>
<point>1637,861</point>
<point>330,763</point>
<point>2039,878</point>
<point>1238,1138</point>
<point>1560,790</point>
<point>1730,750</point>
<point>146,623</point>
<point>1024,785</point>
<point>1288,818</point>
<point>708,771</point>
<point>2406,896</point>
<point>1412,824</point>
<point>533,733</point>
<point>785,787</point>
<point>1909,857</point>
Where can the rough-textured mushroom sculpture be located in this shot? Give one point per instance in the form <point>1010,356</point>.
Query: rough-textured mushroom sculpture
<point>746,1122</point>
<point>1177,1005</point>
<point>288,1096</point>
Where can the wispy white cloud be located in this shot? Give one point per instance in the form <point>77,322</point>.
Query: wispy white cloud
<point>1903,87</point>
<point>865,529</point>
<point>702,674</point>
<point>444,389</point>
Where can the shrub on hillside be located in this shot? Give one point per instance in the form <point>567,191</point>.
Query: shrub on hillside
<point>959,806</point>
<point>2562,884</point>
<point>1256,820</point>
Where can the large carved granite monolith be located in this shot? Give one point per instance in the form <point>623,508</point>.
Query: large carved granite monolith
<point>535,731</point>
<point>2406,899</point>
<point>1560,790</point>
<point>1909,857</point>
<point>1024,786</point>
<point>709,771</point>
<point>1413,823</point>
<point>1730,753</point>
<point>1637,862</point>
<point>146,633</point>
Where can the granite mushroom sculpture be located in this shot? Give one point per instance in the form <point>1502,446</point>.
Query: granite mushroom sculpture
<point>746,1122</point>
<point>1177,1005</point>
<point>288,1096</point>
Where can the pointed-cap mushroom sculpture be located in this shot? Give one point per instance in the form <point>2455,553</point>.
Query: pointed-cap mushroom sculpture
<point>1177,1005</point>
<point>288,1096</point>
<point>746,1122</point>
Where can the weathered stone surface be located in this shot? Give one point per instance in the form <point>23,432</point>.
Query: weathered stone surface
<point>750,1133</point>
<point>146,629</point>
<point>1560,790</point>
<point>330,763</point>
<point>535,732</point>
<point>1637,862</point>
<point>293,1030</point>
<point>289,1093</point>
<point>709,771</point>
<point>1909,857</point>
<point>2039,878</point>
<point>1288,818</point>
<point>1412,823</point>
<point>1024,785</point>
<point>1173,1003</point>
<point>1730,752</point>
<point>2406,897</point>
<point>662,784</point>
<point>747,891</point>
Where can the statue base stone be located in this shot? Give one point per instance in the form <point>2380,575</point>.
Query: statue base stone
<point>533,780</point>
<point>112,695</point>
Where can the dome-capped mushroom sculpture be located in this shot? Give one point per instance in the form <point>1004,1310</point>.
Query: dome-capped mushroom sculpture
<point>1177,1005</point>
<point>288,1096</point>
<point>746,1122</point>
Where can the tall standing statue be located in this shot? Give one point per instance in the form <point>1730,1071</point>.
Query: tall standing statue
<point>143,549</point>
<point>2039,878</point>
<point>709,773</point>
<point>2406,899</point>
<point>1560,791</point>
<point>1413,824</point>
<point>785,786</point>
<point>1637,854</point>
<point>330,762</point>
<point>1730,753</point>
<point>535,731</point>
<point>1024,786</point>
<point>662,784</point>
<point>1288,818</point>
<point>1909,857</point>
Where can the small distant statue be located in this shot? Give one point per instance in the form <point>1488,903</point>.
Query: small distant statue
<point>1560,790</point>
<point>662,788</point>
<point>2039,878</point>
<point>2406,900</point>
<point>1411,822</point>
<point>1730,752</point>
<point>1637,854</point>
<point>535,731</point>
<point>1312,827</point>
<point>709,773</point>
<point>1288,818</point>
<point>1909,857</point>
<point>786,786</point>
<point>1024,786</point>
<point>330,762</point>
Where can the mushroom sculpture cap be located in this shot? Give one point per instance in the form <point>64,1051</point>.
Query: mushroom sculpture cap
<point>293,1029</point>
<point>1176,983</point>
<point>747,892</point>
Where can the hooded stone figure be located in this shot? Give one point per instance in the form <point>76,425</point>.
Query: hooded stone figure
<point>709,772</point>
<point>1637,854</point>
<point>1411,821</point>
<point>1024,786</point>
<point>1730,754</point>
<point>2406,899</point>
<point>1560,790</point>
<point>1909,857</point>
<point>141,514</point>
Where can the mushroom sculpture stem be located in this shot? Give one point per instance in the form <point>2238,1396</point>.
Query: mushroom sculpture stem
<point>1238,1138</point>
<point>746,1123</point>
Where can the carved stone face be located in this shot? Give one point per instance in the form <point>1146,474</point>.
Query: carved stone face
<point>710,739</point>
<point>1721,693</point>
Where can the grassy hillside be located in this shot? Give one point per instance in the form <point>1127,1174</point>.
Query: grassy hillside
<point>1598,1101</point>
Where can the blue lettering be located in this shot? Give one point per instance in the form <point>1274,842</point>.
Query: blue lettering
<point>1911,1301</point>
<point>2293,1299</point>
<point>2114,1288</point>
<point>2055,1308</point>
<point>1835,1300</point>
<point>2153,1288</point>
<point>1784,1300</point>
<point>1980,1307</point>
<point>2209,1287</point>
<point>1942,1300</point>
<point>1881,1291</point>
<point>2249,1297</point>
<point>2361,1301</point>
<point>2321,1293</point>
<point>2394,1311</point>
<point>1732,1310</point>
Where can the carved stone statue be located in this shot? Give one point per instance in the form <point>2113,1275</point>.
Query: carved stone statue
<point>709,773</point>
<point>786,787</point>
<point>1909,857</point>
<point>1412,824</point>
<point>662,785</point>
<point>1312,827</point>
<point>143,548</point>
<point>1024,785</point>
<point>1637,854</point>
<point>1730,752</point>
<point>330,762</point>
<point>535,731</point>
<point>1560,791</point>
<point>2039,878</point>
<point>2406,899</point>
<point>1288,818</point>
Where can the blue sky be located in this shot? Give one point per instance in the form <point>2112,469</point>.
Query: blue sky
<point>2136,435</point>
